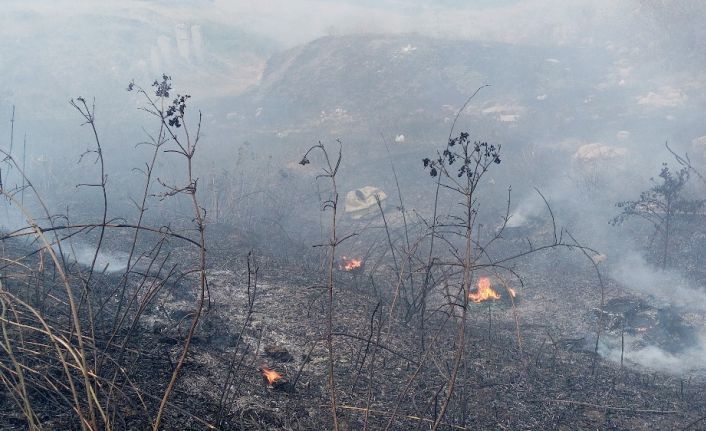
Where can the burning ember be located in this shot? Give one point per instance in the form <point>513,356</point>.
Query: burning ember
<point>270,375</point>
<point>512,292</point>
<point>483,291</point>
<point>350,264</point>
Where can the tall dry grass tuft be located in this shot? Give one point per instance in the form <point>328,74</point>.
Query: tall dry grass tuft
<point>69,337</point>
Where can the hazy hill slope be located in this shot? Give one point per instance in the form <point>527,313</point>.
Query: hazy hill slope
<point>404,77</point>
<point>367,84</point>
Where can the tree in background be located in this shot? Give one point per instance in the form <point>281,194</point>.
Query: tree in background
<point>660,205</point>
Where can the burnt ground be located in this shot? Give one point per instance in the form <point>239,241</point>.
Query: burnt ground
<point>555,382</point>
<point>550,378</point>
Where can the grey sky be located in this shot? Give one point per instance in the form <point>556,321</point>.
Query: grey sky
<point>297,21</point>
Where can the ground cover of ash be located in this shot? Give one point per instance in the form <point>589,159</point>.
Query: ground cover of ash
<point>555,382</point>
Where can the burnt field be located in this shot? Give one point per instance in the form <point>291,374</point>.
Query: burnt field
<point>258,356</point>
<point>377,294</point>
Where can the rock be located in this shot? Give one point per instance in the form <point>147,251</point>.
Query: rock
<point>363,201</point>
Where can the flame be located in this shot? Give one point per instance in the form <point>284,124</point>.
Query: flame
<point>512,292</point>
<point>483,292</point>
<point>271,375</point>
<point>350,264</point>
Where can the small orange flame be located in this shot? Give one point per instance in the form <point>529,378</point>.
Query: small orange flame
<point>270,375</point>
<point>483,291</point>
<point>350,264</point>
<point>512,292</point>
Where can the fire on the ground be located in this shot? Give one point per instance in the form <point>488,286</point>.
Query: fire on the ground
<point>484,291</point>
<point>349,264</point>
<point>270,375</point>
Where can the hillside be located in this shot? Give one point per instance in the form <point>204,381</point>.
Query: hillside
<point>358,86</point>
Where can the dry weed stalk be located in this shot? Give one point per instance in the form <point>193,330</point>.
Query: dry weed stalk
<point>459,169</point>
<point>173,121</point>
<point>330,170</point>
<point>227,392</point>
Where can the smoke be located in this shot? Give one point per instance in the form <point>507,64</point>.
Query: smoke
<point>219,49</point>
<point>653,357</point>
<point>665,289</point>
<point>525,211</point>
<point>677,344</point>
<point>11,220</point>
<point>108,261</point>
<point>665,286</point>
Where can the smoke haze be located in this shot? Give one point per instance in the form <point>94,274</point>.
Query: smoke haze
<point>583,96</point>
